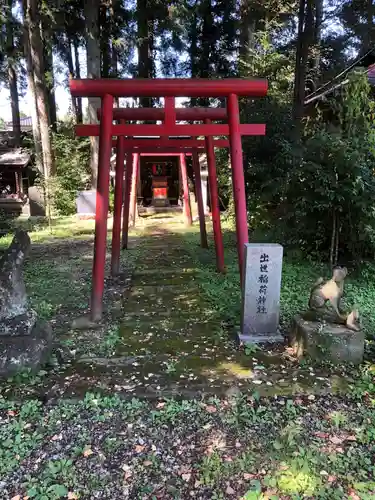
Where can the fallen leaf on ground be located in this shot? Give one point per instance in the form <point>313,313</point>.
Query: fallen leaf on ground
<point>87,452</point>
<point>17,497</point>
<point>353,495</point>
<point>322,435</point>
<point>351,438</point>
<point>336,440</point>
<point>147,463</point>
<point>249,476</point>
<point>72,495</point>
<point>211,409</point>
<point>230,490</point>
<point>139,448</point>
<point>270,493</point>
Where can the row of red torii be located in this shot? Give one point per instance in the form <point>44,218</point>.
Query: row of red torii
<point>132,141</point>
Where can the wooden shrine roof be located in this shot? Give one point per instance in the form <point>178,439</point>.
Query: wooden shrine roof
<point>14,158</point>
<point>11,156</point>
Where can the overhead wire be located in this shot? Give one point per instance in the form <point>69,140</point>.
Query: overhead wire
<point>340,74</point>
<point>341,84</point>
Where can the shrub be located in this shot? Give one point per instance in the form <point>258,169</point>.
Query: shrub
<point>72,156</point>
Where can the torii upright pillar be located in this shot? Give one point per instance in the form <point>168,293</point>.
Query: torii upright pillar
<point>238,179</point>
<point>215,208</point>
<point>198,191</point>
<point>119,196</point>
<point>128,182</point>
<point>185,185</point>
<point>102,202</point>
<point>133,195</point>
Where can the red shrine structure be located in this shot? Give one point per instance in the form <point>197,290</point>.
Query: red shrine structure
<point>169,139</point>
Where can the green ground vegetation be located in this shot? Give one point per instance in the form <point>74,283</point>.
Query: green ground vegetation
<point>233,446</point>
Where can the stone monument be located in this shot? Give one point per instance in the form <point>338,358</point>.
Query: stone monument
<point>86,204</point>
<point>325,331</point>
<point>261,293</point>
<point>25,341</point>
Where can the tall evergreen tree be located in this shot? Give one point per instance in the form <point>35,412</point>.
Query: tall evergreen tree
<point>32,23</point>
<point>11,63</point>
<point>91,12</point>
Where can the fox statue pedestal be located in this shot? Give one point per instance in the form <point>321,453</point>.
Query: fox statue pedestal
<point>25,342</point>
<point>327,332</point>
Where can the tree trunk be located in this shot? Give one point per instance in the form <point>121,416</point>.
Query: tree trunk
<point>78,75</point>
<point>317,42</point>
<point>12,76</point>
<point>114,60</point>
<point>114,54</point>
<point>93,71</point>
<point>370,25</point>
<point>145,44</point>
<point>36,50</point>
<point>337,244</point>
<point>246,36</point>
<point>104,38</point>
<point>50,81</point>
<point>298,68</point>
<point>194,50</point>
<point>14,102</point>
<point>304,40</point>
<point>32,90</point>
<point>333,239</point>
<point>114,71</point>
<point>69,60</point>
<point>208,41</point>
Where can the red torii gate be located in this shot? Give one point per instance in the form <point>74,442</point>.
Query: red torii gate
<point>107,89</point>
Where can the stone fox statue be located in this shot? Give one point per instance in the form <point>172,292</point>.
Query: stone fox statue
<point>331,290</point>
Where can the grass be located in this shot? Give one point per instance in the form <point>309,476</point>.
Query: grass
<point>242,446</point>
<point>223,292</point>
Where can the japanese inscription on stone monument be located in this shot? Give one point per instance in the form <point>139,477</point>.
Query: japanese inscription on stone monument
<point>261,294</point>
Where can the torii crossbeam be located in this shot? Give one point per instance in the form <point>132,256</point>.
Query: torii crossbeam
<point>131,140</point>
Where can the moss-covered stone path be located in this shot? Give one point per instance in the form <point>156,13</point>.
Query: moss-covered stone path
<point>171,342</point>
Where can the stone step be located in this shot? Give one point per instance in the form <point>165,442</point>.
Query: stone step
<point>139,302</point>
<point>159,289</point>
<point>161,339</point>
<point>158,264</point>
<point>170,323</point>
<point>133,309</point>
<point>166,376</point>
<point>163,277</point>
